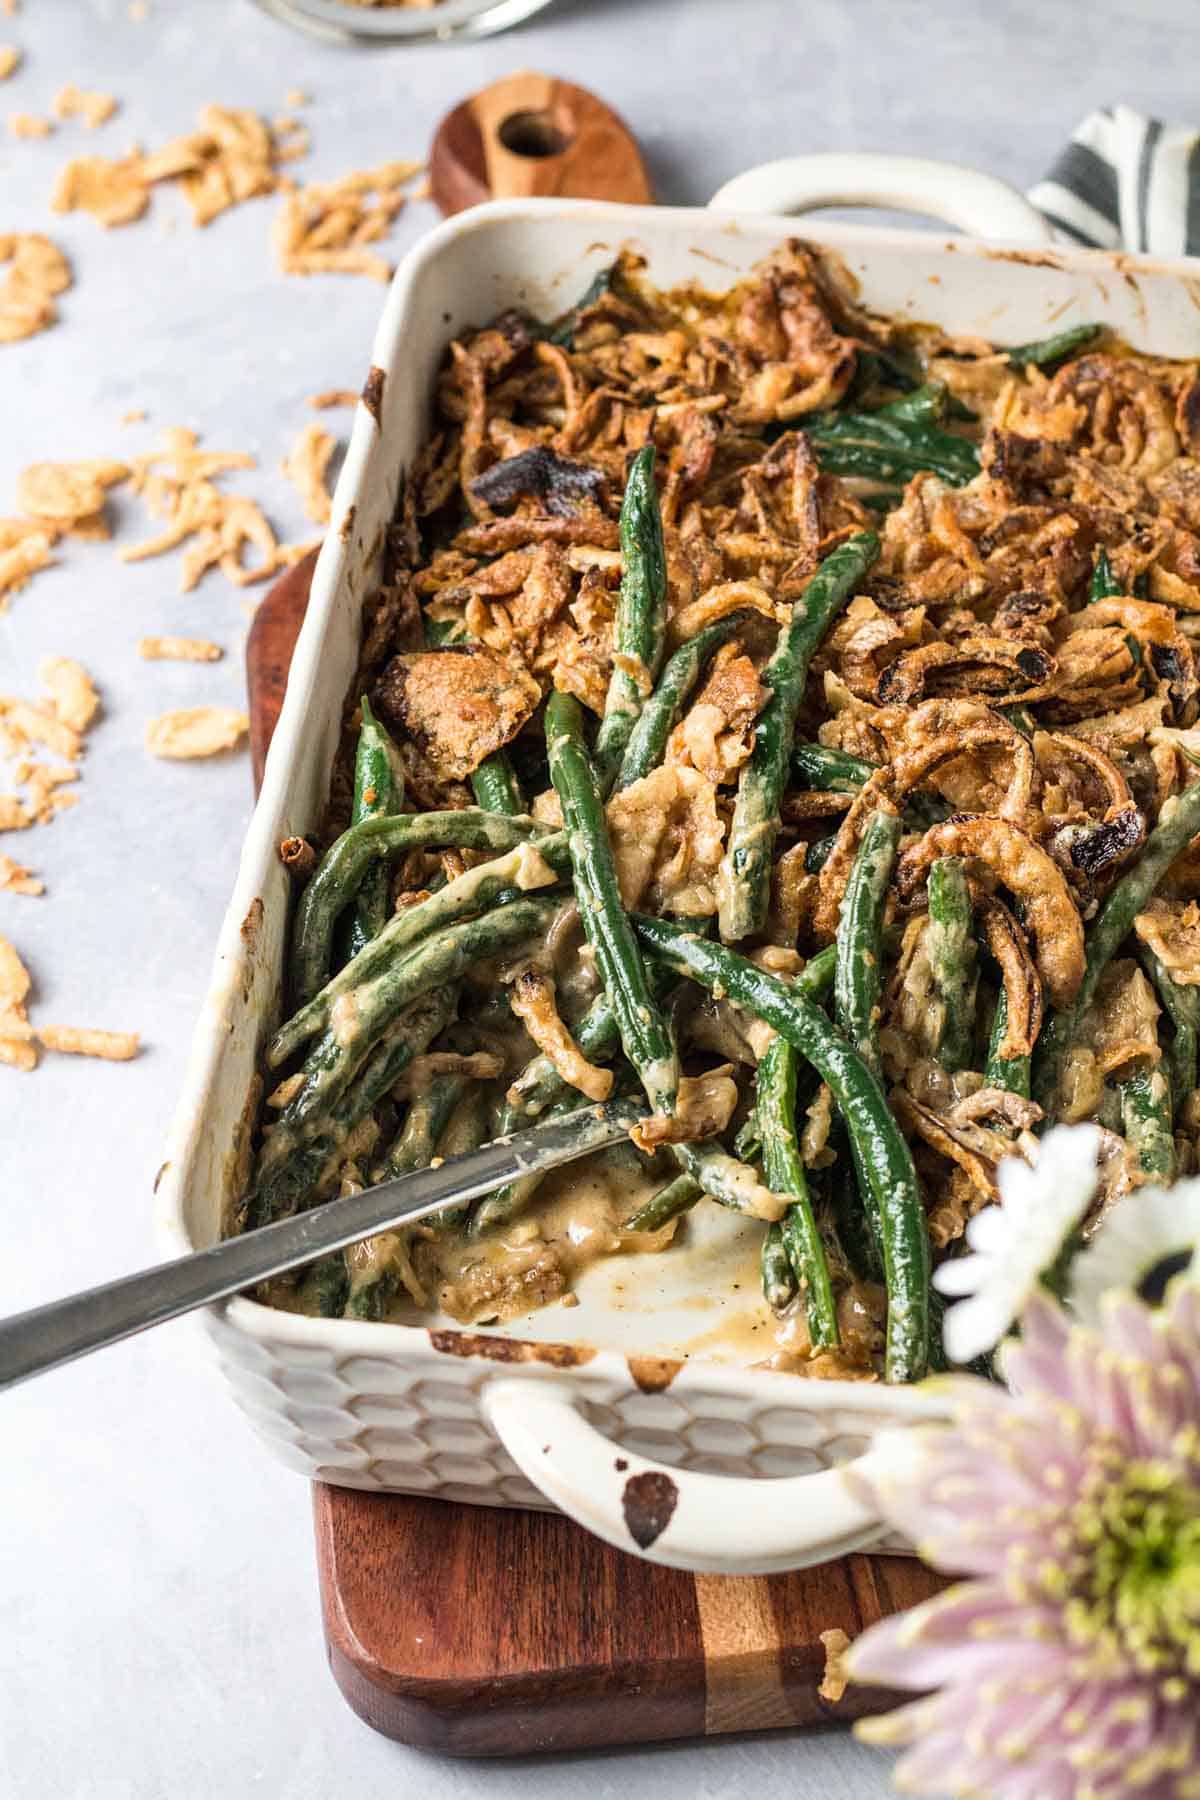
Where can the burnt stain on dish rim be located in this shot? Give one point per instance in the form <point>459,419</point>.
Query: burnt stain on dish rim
<point>510,1350</point>
<point>372,394</point>
<point>648,1502</point>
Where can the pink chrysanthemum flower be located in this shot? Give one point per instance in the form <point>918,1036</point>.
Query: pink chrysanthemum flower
<point>1067,1667</point>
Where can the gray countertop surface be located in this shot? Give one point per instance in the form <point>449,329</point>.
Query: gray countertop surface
<point>158,1607</point>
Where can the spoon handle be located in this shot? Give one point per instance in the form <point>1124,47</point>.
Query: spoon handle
<point>32,1342</point>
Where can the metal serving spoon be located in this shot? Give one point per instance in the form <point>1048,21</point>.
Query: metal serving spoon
<point>31,1342</point>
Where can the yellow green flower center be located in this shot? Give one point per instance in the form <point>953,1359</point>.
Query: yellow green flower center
<point>1130,1581</point>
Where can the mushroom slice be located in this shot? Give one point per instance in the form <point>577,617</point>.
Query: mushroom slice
<point>1028,872</point>
<point>1022,987</point>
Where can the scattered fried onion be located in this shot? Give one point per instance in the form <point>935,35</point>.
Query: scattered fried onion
<point>73,1040</point>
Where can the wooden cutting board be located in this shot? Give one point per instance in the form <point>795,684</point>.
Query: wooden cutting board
<point>489,1632</point>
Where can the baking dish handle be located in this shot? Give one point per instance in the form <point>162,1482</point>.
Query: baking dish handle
<point>978,204</point>
<point>683,1518</point>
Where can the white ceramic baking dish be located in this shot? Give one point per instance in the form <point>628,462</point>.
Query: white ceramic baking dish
<point>636,1411</point>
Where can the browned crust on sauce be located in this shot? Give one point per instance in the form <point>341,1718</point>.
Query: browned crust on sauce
<point>653,1374</point>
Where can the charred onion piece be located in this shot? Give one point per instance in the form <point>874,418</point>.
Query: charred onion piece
<point>540,474</point>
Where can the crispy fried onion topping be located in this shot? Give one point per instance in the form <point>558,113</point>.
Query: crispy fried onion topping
<point>532,998</point>
<point>703,1109</point>
<point>1019,865</point>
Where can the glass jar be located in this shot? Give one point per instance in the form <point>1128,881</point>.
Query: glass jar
<point>341,21</point>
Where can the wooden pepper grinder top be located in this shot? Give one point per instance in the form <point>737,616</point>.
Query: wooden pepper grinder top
<point>529,135</point>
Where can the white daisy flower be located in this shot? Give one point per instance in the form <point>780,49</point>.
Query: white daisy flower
<point>1149,1236</point>
<point>1013,1244</point>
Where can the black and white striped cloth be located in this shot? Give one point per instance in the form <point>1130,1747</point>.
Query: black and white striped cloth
<point>1126,182</point>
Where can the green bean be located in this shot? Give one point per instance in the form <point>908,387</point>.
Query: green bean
<point>882,1159</point>
<point>833,771</point>
<point>645,1036</point>
<point>290,1163</point>
<point>495,785</point>
<point>952,957</point>
<point>472,892</point>
<point>1178,824</point>
<point>926,405</point>
<point>830,771</point>
<point>641,615</point>
<point>337,877</point>
<point>784,1170</point>
<point>890,463</point>
<point>881,499</point>
<point>663,710</point>
<point>906,445</point>
<point>850,1220</point>
<point>1104,583</point>
<point>815,980</point>
<point>1146,1115</point>
<point>363,1015</point>
<point>563,331</point>
<point>508,1202</point>
<point>1182,1006</point>
<point>723,1178</point>
<point>745,875</point>
<point>747,1144</point>
<point>818,853</point>
<point>1020,718</point>
<point>886,430</point>
<point>1043,353</point>
<point>859,976</point>
<point>324,1286</point>
<point>880,367</point>
<point>440,632</point>
<point>378,792</point>
<point>679,1196</point>
<point>1009,1072</point>
<point>778,1278</point>
<point>429,1113</point>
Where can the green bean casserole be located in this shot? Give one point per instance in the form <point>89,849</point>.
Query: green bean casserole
<point>786,714</point>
